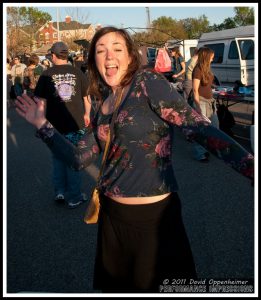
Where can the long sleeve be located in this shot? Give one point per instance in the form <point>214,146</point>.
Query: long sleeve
<point>170,106</point>
<point>77,157</point>
<point>226,148</point>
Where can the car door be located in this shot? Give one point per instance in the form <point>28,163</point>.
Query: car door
<point>246,50</point>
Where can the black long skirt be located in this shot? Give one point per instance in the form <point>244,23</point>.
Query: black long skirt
<point>141,246</point>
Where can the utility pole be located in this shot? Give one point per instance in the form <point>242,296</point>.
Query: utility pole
<point>148,17</point>
<point>57,17</point>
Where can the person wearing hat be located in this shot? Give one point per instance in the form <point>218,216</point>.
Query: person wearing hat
<point>67,106</point>
<point>178,62</point>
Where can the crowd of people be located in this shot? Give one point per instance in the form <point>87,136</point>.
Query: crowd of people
<point>23,72</point>
<point>141,237</point>
<point>195,81</point>
<point>64,86</point>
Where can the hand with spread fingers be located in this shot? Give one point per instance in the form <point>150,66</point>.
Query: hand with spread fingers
<point>32,110</point>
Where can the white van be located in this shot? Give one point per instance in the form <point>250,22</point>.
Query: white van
<point>186,47</point>
<point>234,54</point>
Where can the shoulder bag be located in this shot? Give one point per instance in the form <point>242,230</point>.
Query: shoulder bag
<point>92,211</point>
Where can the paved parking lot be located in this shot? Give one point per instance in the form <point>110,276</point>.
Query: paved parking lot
<point>51,250</point>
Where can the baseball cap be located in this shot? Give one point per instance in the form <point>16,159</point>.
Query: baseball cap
<point>173,47</point>
<point>59,48</point>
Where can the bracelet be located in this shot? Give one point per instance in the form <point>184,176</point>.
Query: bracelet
<point>45,131</point>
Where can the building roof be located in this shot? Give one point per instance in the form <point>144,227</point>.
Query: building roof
<point>43,49</point>
<point>242,31</point>
<point>72,25</point>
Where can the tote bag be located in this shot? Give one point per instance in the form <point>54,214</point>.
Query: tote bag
<point>163,62</point>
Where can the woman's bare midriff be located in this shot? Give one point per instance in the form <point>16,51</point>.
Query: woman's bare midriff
<point>139,200</point>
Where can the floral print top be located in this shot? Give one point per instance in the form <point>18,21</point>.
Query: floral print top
<point>139,158</point>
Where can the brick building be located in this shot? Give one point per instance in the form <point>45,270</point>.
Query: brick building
<point>68,30</point>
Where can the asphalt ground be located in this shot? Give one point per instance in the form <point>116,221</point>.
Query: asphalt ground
<point>51,250</point>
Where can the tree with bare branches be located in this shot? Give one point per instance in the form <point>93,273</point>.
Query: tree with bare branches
<point>22,23</point>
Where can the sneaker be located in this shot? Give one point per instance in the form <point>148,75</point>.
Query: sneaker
<point>59,198</point>
<point>73,205</point>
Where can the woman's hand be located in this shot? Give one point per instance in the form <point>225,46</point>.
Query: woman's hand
<point>86,119</point>
<point>32,110</point>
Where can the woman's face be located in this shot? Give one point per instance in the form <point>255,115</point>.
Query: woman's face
<point>112,58</point>
<point>211,57</point>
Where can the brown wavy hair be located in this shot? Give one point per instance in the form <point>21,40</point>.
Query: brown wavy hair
<point>33,59</point>
<point>204,55</point>
<point>97,86</point>
<point>176,49</point>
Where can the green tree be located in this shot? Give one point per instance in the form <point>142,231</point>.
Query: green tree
<point>167,28</point>
<point>22,23</point>
<point>244,16</point>
<point>142,38</point>
<point>228,23</point>
<point>33,17</point>
<point>31,20</point>
<point>162,29</point>
<point>196,26</point>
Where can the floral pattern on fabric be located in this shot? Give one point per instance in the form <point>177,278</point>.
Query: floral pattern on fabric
<point>46,131</point>
<point>124,119</point>
<point>103,132</point>
<point>75,137</point>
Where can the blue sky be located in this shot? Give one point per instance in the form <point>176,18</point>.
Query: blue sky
<point>135,14</point>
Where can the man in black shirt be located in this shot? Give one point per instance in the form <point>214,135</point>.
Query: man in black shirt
<point>68,108</point>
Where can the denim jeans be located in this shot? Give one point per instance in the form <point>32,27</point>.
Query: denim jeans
<point>187,88</point>
<point>66,180</point>
<point>208,110</point>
